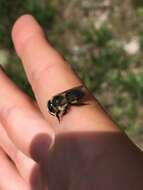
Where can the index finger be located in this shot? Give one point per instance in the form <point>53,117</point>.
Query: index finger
<point>49,75</point>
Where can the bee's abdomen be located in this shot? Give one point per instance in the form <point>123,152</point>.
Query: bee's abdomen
<point>74,96</point>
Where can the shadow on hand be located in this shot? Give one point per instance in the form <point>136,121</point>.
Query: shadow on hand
<point>88,161</point>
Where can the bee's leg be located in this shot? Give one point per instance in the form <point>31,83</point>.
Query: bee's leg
<point>53,114</point>
<point>58,117</point>
<point>66,110</point>
<point>59,114</point>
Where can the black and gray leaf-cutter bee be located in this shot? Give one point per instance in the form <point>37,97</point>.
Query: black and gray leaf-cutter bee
<point>60,103</point>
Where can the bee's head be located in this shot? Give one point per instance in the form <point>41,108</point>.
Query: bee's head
<point>50,107</point>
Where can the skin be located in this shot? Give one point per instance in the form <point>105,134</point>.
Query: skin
<point>85,151</point>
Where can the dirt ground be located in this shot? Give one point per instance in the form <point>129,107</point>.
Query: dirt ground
<point>138,140</point>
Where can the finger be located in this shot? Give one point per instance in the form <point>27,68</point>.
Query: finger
<point>24,164</point>
<point>49,74</point>
<point>9,178</point>
<point>22,121</point>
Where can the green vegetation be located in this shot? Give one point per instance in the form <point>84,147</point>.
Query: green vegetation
<point>115,76</point>
<point>11,10</point>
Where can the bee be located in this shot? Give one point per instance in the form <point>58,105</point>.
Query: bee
<point>60,104</point>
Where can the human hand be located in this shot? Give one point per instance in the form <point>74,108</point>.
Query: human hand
<point>85,151</point>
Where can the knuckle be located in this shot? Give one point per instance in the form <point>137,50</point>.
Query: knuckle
<point>37,74</point>
<point>8,112</point>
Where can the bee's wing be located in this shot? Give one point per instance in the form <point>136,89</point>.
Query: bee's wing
<point>69,90</point>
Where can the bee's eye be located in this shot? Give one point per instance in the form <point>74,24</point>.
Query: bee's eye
<point>58,100</point>
<point>50,107</point>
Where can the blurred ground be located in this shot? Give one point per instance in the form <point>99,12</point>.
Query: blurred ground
<point>105,38</point>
